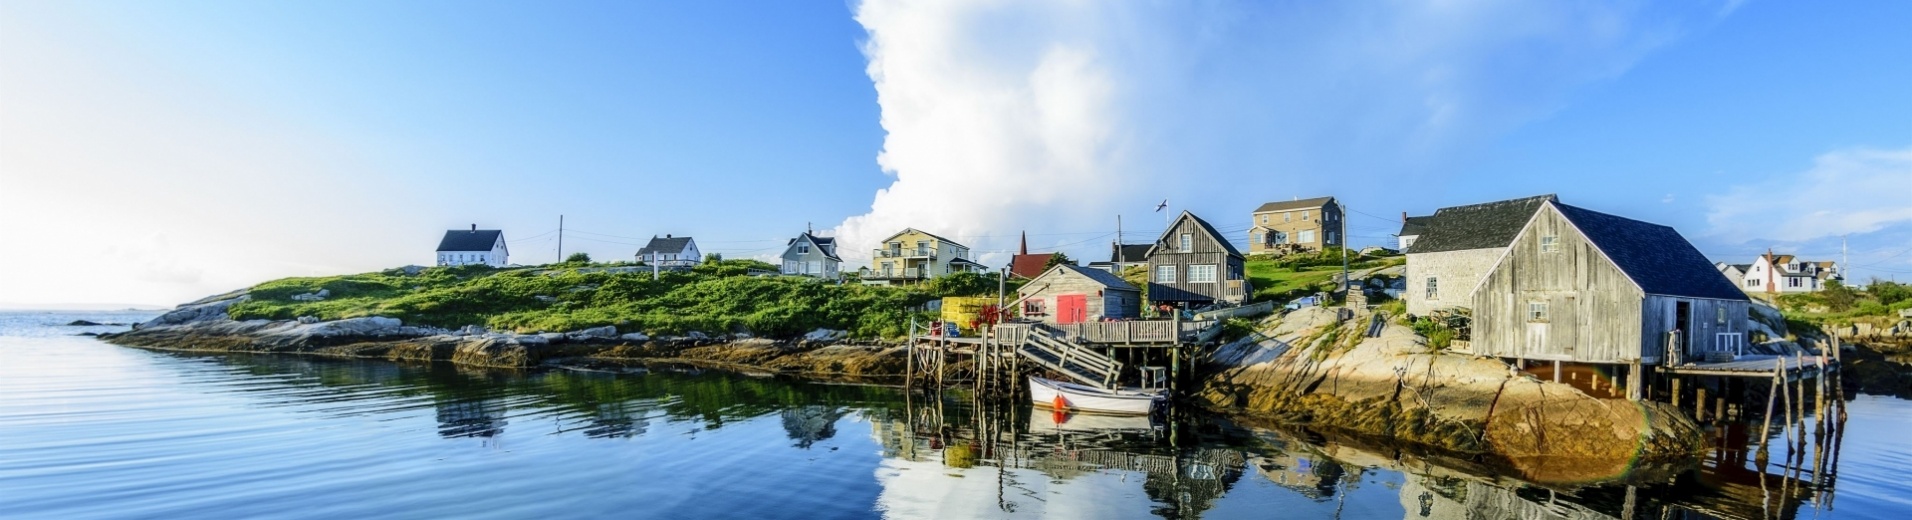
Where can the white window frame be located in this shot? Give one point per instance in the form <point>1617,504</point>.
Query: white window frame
<point>1536,312</point>
<point>1550,244</point>
<point>1307,237</point>
<point>1202,273</point>
<point>1433,288</point>
<point>1162,270</point>
<point>1304,215</point>
<point>1188,242</point>
<point>803,248</point>
<point>1264,218</point>
<point>1287,216</point>
<point>1719,311</point>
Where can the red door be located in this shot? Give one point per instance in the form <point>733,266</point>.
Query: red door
<point>1072,308</point>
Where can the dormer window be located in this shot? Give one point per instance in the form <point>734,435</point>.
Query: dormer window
<point>1188,241</point>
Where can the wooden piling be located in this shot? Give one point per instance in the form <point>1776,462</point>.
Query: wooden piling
<point>1676,392</point>
<point>1765,431</point>
<point>1699,403</point>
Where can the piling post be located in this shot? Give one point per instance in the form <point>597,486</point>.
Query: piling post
<point>1699,402</point>
<point>1765,431</point>
<point>1634,379</point>
<point>909,352</point>
<point>1676,393</point>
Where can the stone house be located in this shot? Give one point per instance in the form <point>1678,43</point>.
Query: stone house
<point>1296,225</point>
<point>473,247</point>
<point>1067,294</point>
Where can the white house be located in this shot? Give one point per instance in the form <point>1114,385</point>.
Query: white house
<point>473,247</point>
<point>1772,273</point>
<point>811,255</point>
<point>1411,230</point>
<point>671,252</point>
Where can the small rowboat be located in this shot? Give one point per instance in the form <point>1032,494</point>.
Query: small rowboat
<point>1089,399</point>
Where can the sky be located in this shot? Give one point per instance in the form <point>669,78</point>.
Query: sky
<point>156,152</point>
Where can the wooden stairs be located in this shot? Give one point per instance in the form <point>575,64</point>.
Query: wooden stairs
<point>1080,363</point>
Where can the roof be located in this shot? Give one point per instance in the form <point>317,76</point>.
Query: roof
<point>1295,204</point>
<point>931,235</point>
<point>1741,267</point>
<point>1782,259</point>
<point>1104,278</point>
<point>1414,226</point>
<point>1029,265</point>
<point>472,240</point>
<point>1656,257</point>
<point>1206,228</point>
<point>1129,253</point>
<point>667,245</point>
<point>825,245</point>
<point>1478,226</point>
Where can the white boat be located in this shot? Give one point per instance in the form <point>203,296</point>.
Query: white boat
<point>1079,398</point>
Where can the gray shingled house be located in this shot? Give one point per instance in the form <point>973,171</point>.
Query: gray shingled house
<point>1067,294</point>
<point>811,255</point>
<point>1577,285</point>
<point>1193,265</point>
<point>671,252</point>
<point>1457,246</point>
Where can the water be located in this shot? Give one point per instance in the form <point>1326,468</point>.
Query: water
<point>90,430</point>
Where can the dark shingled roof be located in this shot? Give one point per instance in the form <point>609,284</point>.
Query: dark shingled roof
<point>667,245</point>
<point>1414,226</point>
<point>1478,226</point>
<point>1295,204</point>
<point>472,240</point>
<point>1206,228</point>
<point>1105,278</point>
<point>1129,253</point>
<point>825,245</point>
<point>1656,257</point>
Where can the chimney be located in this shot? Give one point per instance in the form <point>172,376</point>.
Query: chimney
<point>667,235</point>
<point>1404,217</point>
<point>474,227</point>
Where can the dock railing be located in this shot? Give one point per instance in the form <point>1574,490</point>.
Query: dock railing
<point>1118,332</point>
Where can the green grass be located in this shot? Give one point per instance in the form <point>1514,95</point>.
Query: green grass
<point>713,298</point>
<point>1288,278</point>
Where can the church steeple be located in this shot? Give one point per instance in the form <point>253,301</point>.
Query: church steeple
<point>1025,244</point>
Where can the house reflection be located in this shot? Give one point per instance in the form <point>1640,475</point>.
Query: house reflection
<point>461,418</point>
<point>809,424</point>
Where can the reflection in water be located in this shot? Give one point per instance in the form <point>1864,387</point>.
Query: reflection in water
<point>687,443</point>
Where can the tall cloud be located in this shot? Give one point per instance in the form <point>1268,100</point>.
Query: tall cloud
<point>1058,115</point>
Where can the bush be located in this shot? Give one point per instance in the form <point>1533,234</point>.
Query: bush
<point>578,258</point>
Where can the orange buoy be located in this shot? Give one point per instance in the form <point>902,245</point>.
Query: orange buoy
<point>1061,404</point>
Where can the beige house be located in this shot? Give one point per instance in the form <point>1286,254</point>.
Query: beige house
<point>912,256</point>
<point>1070,294</point>
<point>1296,225</point>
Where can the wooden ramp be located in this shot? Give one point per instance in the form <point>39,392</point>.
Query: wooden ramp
<point>1080,363</point>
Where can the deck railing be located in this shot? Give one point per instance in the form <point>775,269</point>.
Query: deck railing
<point>1138,331</point>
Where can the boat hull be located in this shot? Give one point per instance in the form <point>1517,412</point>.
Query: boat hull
<point>1078,398</point>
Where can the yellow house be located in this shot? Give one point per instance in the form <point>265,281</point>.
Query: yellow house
<point>912,256</point>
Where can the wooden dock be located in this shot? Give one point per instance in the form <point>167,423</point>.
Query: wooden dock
<point>1792,368</point>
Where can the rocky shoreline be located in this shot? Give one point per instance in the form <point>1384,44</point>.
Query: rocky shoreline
<point>1313,367</point>
<point>1317,367</point>
<point>205,327</point>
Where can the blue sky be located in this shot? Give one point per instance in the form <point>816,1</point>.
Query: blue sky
<point>155,152</point>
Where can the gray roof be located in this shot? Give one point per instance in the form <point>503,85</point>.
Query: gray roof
<point>1414,226</point>
<point>1295,204</point>
<point>1129,253</point>
<point>1206,228</point>
<point>1104,278</point>
<point>469,240</point>
<point>666,245</point>
<point>1656,257</point>
<point>825,245</point>
<point>1477,226</point>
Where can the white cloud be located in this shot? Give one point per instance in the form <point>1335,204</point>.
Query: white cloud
<point>1057,116</point>
<point>1854,190</point>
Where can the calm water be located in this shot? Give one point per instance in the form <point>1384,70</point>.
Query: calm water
<point>89,430</point>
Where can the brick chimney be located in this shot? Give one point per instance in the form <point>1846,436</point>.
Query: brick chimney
<point>474,227</point>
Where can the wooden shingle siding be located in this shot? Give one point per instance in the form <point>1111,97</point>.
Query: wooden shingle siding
<point>1205,248</point>
<point>1658,312</point>
<point>1593,309</point>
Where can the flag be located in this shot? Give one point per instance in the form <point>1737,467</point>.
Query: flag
<point>1162,206</point>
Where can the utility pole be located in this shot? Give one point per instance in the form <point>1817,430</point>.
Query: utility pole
<point>1118,245</point>
<point>560,238</point>
<point>1346,284</point>
<point>1842,260</point>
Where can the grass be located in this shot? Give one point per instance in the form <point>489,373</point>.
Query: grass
<point>1282,279</point>
<point>714,298</point>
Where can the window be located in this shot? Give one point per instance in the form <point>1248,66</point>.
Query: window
<point>1331,238</point>
<point>1752,283</point>
<point>1287,215</point>
<point>1433,288</point>
<point>803,249</point>
<point>1033,308</point>
<point>1164,274</point>
<point>1536,311</point>
<point>1304,216</point>
<point>1792,281</point>
<point>1188,242</point>
<point>1281,238</point>
<point>922,248</point>
<point>1719,314</point>
<point>1264,219</point>
<point>1307,236</point>
<point>1549,244</point>
<point>1201,273</point>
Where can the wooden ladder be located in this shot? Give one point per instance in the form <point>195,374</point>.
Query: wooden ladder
<point>1080,363</point>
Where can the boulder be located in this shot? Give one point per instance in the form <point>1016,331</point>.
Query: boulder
<point>367,326</point>
<point>553,337</point>
<point>83,323</point>
<point>195,312</point>
<point>531,340</point>
<point>697,336</point>
<point>634,336</point>
<point>825,336</point>
<point>308,320</point>
<point>605,332</point>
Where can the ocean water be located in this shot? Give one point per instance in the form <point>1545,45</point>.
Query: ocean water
<point>91,430</point>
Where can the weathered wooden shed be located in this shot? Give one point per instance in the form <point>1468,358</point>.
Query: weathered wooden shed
<point>1193,264</point>
<point>1578,285</point>
<point>1068,294</point>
